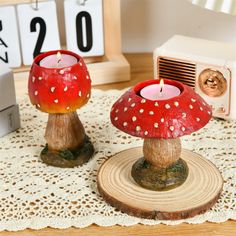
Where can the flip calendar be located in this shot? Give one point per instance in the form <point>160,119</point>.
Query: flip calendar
<point>92,29</point>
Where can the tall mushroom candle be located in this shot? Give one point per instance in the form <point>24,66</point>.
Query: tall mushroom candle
<point>160,120</point>
<point>59,87</point>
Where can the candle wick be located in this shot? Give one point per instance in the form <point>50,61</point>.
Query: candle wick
<point>58,62</point>
<point>161,92</point>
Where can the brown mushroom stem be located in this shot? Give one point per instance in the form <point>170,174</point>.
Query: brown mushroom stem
<point>161,152</point>
<point>161,168</point>
<point>64,131</point>
<point>67,143</point>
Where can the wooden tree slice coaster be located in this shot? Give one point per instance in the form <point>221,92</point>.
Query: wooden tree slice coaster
<point>196,195</point>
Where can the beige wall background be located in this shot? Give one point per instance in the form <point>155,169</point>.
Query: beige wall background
<point>148,23</point>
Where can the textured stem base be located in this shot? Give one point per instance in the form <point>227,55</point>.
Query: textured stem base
<point>67,158</point>
<point>157,178</point>
<point>199,192</point>
<point>161,168</point>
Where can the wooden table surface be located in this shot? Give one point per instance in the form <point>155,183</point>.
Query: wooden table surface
<point>141,69</point>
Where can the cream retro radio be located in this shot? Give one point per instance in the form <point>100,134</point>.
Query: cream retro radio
<point>207,66</point>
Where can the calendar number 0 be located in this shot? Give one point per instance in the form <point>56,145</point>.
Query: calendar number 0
<point>42,33</point>
<point>84,46</point>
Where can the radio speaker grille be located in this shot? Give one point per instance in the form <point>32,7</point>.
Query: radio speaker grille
<point>173,69</point>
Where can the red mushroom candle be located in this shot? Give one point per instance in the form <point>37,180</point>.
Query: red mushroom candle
<point>59,83</point>
<point>160,121</point>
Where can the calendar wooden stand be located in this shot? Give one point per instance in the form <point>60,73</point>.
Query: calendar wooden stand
<point>110,68</point>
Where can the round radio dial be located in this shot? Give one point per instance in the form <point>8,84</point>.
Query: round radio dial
<point>212,82</point>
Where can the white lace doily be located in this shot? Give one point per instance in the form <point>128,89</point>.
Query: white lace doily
<point>34,195</point>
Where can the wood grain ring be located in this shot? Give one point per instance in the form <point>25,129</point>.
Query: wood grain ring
<point>199,192</point>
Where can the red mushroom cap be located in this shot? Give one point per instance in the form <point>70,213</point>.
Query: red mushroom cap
<point>171,118</point>
<point>59,90</point>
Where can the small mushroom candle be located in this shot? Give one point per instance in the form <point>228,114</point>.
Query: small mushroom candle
<point>59,90</point>
<point>160,122</point>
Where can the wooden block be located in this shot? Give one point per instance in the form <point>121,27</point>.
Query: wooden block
<point>7,88</point>
<point>9,120</point>
<point>9,40</point>
<point>11,2</point>
<point>38,29</point>
<point>196,195</point>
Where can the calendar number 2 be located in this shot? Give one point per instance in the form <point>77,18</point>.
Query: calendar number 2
<point>42,33</point>
<point>38,29</point>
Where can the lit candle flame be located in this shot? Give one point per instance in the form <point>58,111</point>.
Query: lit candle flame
<point>162,85</point>
<point>58,58</point>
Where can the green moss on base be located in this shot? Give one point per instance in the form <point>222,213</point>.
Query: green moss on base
<point>159,179</point>
<point>68,158</point>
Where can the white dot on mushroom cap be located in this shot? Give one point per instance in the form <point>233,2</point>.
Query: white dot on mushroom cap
<point>184,115</point>
<point>75,77</point>
<point>204,103</point>
<point>146,133</point>
<point>156,104</point>
<point>33,79</point>
<point>36,93</point>
<point>209,112</point>
<point>121,100</point>
<point>172,128</point>
<point>79,93</point>
<point>53,89</point>
<point>133,105</point>
<point>66,88</point>
<point>40,78</point>
<point>88,95</point>
<point>156,125</point>
<point>138,128</point>
<point>129,99</point>
<point>141,110</point>
<point>143,100</point>
<point>87,77</point>
<point>183,128</point>
<point>191,106</point>
<point>193,100</point>
<point>68,108</point>
<point>61,72</point>
<point>176,104</point>
<point>125,124</point>
<point>116,118</point>
<point>151,113</point>
<point>201,108</point>
<point>134,118</point>
<point>80,64</point>
<point>125,109</point>
<point>167,106</point>
<point>38,105</point>
<point>197,119</point>
<point>162,120</point>
<point>56,101</point>
<point>117,110</point>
